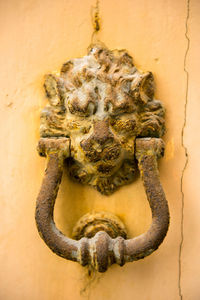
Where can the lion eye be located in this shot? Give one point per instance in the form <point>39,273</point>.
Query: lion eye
<point>85,129</point>
<point>108,107</point>
<point>91,109</point>
<point>82,109</point>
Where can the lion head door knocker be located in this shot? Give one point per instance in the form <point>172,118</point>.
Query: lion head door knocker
<point>103,120</point>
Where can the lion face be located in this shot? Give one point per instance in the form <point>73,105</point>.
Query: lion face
<point>102,102</point>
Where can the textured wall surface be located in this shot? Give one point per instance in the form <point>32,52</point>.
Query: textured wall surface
<point>37,37</point>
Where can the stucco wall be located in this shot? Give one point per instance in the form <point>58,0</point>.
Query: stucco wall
<point>36,38</point>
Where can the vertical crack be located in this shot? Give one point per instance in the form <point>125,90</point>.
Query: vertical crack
<point>95,21</point>
<point>184,147</point>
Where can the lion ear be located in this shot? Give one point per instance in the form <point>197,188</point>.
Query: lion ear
<point>147,87</point>
<point>50,85</point>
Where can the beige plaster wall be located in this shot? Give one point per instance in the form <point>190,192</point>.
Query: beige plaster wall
<point>36,38</point>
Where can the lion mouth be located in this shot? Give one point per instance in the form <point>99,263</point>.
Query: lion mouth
<point>108,154</point>
<point>105,168</point>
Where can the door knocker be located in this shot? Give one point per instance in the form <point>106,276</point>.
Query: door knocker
<point>103,120</point>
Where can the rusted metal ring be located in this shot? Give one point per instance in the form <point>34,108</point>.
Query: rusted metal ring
<point>91,223</point>
<point>101,251</point>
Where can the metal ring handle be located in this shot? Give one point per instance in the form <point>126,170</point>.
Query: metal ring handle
<point>101,251</point>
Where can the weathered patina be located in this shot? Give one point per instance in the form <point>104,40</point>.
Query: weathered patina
<point>103,120</point>
<point>102,102</point>
<point>101,250</point>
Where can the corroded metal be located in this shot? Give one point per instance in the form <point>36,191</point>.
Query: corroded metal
<point>91,223</point>
<point>103,120</point>
<point>102,102</point>
<point>101,251</point>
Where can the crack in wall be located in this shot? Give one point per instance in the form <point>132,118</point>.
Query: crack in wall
<point>95,21</point>
<point>184,147</point>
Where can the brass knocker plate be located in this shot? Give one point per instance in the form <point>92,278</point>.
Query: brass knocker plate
<point>103,119</point>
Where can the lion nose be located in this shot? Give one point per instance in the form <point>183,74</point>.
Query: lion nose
<point>102,133</point>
